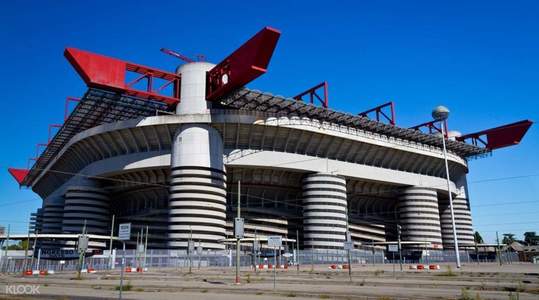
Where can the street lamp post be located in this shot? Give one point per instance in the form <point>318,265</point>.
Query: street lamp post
<point>441,113</point>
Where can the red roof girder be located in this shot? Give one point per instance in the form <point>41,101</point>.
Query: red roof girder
<point>499,137</point>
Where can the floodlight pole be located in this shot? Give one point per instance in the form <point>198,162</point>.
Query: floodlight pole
<point>122,271</point>
<point>26,248</point>
<point>110,243</point>
<point>238,238</point>
<point>145,247</point>
<point>455,240</point>
<point>399,230</point>
<point>297,249</point>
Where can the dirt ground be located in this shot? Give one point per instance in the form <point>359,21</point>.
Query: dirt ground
<point>485,281</point>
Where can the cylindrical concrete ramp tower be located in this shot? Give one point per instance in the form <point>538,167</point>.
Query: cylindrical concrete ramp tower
<point>197,195</point>
<point>324,211</point>
<point>419,216</point>
<point>86,204</point>
<point>53,211</point>
<point>197,198</point>
<point>463,221</point>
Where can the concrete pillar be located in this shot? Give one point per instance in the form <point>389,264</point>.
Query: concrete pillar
<point>89,203</point>
<point>419,216</point>
<point>324,211</point>
<point>53,211</point>
<point>463,218</point>
<point>197,195</point>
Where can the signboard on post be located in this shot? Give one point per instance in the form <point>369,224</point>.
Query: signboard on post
<point>393,248</point>
<point>275,241</point>
<point>238,228</point>
<point>82,244</point>
<point>124,232</point>
<point>348,245</point>
<point>140,248</point>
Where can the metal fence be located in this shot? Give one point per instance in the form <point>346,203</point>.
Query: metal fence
<point>157,258</point>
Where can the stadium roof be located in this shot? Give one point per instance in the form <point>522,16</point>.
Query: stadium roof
<point>253,100</point>
<point>99,106</point>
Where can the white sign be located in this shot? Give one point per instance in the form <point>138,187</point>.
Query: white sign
<point>140,248</point>
<point>275,241</point>
<point>124,232</point>
<point>393,248</point>
<point>83,243</point>
<point>191,246</point>
<point>348,245</point>
<point>238,228</point>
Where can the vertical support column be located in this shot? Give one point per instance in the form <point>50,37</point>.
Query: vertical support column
<point>36,221</point>
<point>419,216</point>
<point>86,203</point>
<point>463,218</point>
<point>53,211</point>
<point>197,195</point>
<point>324,211</point>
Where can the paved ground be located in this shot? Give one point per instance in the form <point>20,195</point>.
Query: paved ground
<point>486,281</point>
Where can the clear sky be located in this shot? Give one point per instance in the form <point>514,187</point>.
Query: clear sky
<point>478,58</point>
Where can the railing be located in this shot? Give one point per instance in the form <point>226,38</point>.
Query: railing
<point>181,260</point>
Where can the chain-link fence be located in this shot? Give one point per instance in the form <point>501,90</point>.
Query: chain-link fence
<point>157,258</point>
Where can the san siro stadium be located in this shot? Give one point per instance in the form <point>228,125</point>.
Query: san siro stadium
<point>168,150</point>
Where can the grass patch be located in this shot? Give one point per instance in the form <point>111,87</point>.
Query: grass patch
<point>204,291</point>
<point>125,287</point>
<point>465,295</point>
<point>259,293</point>
<point>384,298</point>
<point>448,273</point>
<point>139,290</point>
<point>378,272</point>
<point>513,296</point>
<point>291,295</point>
<point>324,297</point>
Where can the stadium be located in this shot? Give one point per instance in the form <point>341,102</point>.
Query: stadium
<point>175,150</point>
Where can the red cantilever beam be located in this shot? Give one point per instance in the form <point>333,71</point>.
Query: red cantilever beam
<point>242,66</point>
<point>18,174</point>
<point>110,73</point>
<point>379,112</point>
<point>431,126</point>
<point>312,94</point>
<point>499,137</point>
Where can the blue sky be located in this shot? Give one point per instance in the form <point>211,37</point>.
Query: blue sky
<point>479,59</point>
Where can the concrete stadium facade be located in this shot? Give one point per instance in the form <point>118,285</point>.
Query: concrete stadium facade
<point>177,173</point>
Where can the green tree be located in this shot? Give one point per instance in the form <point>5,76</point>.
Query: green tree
<point>508,238</point>
<point>531,238</point>
<point>21,245</point>
<point>478,238</point>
